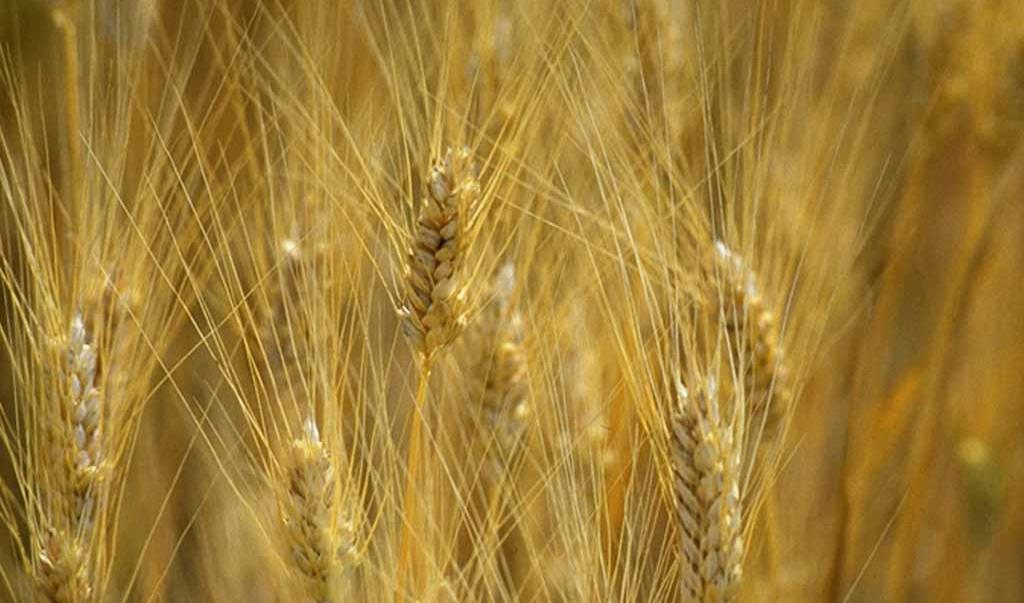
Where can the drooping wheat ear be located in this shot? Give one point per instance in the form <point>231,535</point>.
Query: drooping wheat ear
<point>434,312</point>
<point>62,575</point>
<point>754,325</point>
<point>321,538</point>
<point>500,371</point>
<point>706,471</point>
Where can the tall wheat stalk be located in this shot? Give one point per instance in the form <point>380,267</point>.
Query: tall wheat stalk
<point>434,312</point>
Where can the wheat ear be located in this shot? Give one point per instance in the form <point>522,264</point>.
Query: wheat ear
<point>84,461</point>
<point>63,563</point>
<point>500,372</point>
<point>63,575</point>
<point>498,380</point>
<point>753,322</point>
<point>321,539</point>
<point>706,471</point>
<point>434,311</point>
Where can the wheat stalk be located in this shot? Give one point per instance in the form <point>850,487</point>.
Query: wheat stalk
<point>62,15</point>
<point>321,539</point>
<point>434,312</point>
<point>706,470</point>
<point>655,50</point>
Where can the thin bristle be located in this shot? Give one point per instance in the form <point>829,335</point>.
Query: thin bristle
<point>706,468</point>
<point>434,310</point>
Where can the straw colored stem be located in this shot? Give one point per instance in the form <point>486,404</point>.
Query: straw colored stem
<point>63,19</point>
<point>408,566</point>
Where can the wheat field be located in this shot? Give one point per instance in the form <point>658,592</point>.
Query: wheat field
<point>595,301</point>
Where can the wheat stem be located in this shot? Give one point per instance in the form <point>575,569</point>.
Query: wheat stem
<point>408,564</point>
<point>64,21</point>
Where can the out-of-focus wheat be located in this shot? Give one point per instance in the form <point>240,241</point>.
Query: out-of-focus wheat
<point>741,307</point>
<point>499,372</point>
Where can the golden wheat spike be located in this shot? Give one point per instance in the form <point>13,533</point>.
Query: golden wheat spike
<point>500,371</point>
<point>62,569</point>
<point>752,320</point>
<point>706,470</point>
<point>320,537</point>
<point>84,457</point>
<point>434,309</point>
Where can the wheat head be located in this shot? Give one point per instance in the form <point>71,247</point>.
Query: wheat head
<point>753,322</point>
<point>706,470</point>
<point>434,312</point>
<point>320,538</point>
